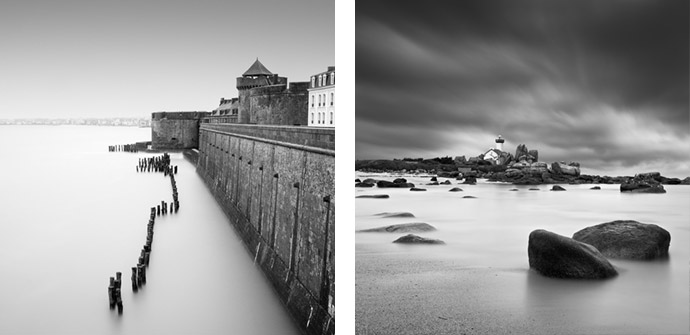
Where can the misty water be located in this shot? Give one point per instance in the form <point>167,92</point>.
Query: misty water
<point>480,281</point>
<point>73,214</point>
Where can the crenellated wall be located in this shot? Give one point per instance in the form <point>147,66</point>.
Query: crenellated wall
<point>279,195</point>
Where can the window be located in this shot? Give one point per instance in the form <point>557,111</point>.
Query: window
<point>312,82</point>
<point>332,78</point>
<point>331,98</point>
<point>312,96</point>
<point>331,117</point>
<point>319,100</point>
<point>312,118</point>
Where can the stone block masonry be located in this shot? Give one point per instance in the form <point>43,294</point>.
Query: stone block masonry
<point>276,184</point>
<point>175,130</point>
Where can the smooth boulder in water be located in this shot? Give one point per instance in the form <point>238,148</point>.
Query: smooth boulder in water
<point>558,256</point>
<point>627,239</point>
<point>395,215</point>
<point>401,228</point>
<point>414,239</point>
<point>374,196</point>
<point>557,188</point>
<point>455,189</point>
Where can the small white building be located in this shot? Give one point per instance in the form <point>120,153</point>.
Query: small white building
<point>322,99</point>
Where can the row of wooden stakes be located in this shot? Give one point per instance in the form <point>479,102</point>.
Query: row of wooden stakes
<point>139,271</point>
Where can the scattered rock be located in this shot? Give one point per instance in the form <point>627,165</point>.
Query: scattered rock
<point>414,239</point>
<point>395,215</point>
<point>513,189</point>
<point>447,182</point>
<point>357,180</point>
<point>374,196</point>
<point>595,188</point>
<point>627,239</point>
<point>558,256</point>
<point>469,197</point>
<point>455,189</point>
<point>402,228</point>
<point>400,180</point>
<point>534,189</point>
<point>369,181</point>
<point>417,189</point>
<point>557,188</point>
<point>364,185</point>
<point>433,183</point>
<point>385,183</point>
<point>433,179</point>
<point>470,180</point>
<point>447,174</point>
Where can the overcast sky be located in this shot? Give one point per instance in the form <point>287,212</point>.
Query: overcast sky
<point>103,58</point>
<point>604,83</point>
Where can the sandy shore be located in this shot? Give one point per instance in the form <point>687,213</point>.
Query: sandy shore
<point>396,295</point>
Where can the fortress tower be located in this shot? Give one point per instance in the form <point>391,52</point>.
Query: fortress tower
<point>256,76</point>
<point>499,143</point>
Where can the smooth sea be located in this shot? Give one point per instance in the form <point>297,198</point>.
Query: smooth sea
<point>72,214</point>
<point>479,282</point>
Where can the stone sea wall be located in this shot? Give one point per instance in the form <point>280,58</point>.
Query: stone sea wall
<point>175,130</point>
<point>279,194</point>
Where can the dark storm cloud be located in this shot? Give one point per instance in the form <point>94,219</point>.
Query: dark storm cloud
<point>571,77</point>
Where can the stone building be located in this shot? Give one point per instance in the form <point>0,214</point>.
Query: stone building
<point>322,99</point>
<point>264,98</point>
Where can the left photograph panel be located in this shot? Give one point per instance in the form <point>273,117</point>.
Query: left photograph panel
<point>168,167</point>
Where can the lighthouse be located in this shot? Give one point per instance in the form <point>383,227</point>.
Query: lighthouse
<point>499,143</point>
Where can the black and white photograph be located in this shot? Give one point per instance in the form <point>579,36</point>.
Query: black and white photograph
<point>522,167</point>
<point>168,167</point>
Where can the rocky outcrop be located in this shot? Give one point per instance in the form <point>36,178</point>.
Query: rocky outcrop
<point>401,228</point>
<point>643,183</point>
<point>558,256</point>
<point>414,239</point>
<point>561,168</point>
<point>455,189</point>
<point>435,183</point>
<point>595,188</point>
<point>364,185</point>
<point>557,188</point>
<point>417,189</point>
<point>395,215</point>
<point>399,180</point>
<point>627,239</point>
<point>373,196</point>
<point>447,182</point>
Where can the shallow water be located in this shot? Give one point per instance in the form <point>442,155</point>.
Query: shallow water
<point>488,236</point>
<point>74,214</point>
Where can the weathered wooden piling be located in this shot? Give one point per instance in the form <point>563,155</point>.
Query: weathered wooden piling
<point>118,293</point>
<point>141,271</point>
<point>135,285</point>
<point>111,293</point>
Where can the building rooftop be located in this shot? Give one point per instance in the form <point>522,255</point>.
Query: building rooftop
<point>257,69</point>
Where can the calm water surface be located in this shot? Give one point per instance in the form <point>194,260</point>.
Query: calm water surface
<point>73,214</point>
<point>491,232</point>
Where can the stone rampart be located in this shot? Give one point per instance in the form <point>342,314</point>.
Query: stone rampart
<point>175,130</point>
<point>276,185</point>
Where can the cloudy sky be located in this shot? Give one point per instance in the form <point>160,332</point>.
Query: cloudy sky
<point>104,58</point>
<point>604,83</point>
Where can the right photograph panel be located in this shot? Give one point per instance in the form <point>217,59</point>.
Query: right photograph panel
<point>522,167</point>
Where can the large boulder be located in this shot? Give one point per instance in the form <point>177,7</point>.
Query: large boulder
<point>521,153</point>
<point>414,239</point>
<point>395,215</point>
<point>627,239</point>
<point>364,185</point>
<point>504,158</point>
<point>558,256</point>
<point>447,174</point>
<point>641,187</point>
<point>534,154</point>
<point>401,228</point>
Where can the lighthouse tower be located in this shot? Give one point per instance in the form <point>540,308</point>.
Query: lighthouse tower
<point>499,143</point>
